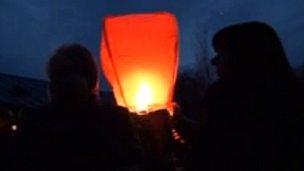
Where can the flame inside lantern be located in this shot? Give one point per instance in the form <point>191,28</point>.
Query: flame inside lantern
<point>143,97</point>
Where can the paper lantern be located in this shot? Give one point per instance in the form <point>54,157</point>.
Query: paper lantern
<point>139,56</point>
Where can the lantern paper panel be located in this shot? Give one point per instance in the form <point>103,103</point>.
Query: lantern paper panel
<point>139,55</point>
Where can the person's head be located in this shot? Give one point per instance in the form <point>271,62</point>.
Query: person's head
<point>73,74</point>
<point>250,49</point>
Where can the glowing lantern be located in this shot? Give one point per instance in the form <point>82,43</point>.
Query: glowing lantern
<point>140,59</point>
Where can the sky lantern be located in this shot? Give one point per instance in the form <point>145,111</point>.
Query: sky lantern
<point>139,57</point>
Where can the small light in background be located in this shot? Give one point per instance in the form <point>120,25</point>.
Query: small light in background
<point>14,127</point>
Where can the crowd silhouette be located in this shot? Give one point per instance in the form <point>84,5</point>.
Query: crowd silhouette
<point>251,118</point>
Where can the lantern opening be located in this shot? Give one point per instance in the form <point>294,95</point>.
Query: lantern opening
<point>145,93</point>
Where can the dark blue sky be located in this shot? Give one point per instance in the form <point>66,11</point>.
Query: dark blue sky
<point>31,29</point>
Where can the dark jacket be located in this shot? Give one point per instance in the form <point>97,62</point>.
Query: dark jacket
<point>250,125</point>
<point>88,137</point>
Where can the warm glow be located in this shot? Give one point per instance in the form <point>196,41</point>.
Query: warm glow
<point>14,127</point>
<point>146,92</point>
<point>140,58</point>
<point>143,97</point>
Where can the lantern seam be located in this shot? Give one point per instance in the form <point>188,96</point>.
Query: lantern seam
<point>112,61</point>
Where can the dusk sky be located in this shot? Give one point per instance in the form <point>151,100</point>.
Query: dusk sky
<point>31,29</point>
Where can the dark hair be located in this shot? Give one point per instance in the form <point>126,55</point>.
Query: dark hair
<point>253,49</point>
<point>72,67</point>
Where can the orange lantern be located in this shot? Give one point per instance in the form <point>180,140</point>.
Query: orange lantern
<point>139,56</point>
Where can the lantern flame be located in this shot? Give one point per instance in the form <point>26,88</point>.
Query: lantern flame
<point>143,98</point>
<point>145,93</point>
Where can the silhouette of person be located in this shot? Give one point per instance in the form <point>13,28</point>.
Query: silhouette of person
<point>73,131</point>
<point>252,115</point>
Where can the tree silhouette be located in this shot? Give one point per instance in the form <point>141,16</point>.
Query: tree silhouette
<point>192,82</point>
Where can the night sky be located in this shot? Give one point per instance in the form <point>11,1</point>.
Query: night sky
<point>31,29</point>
